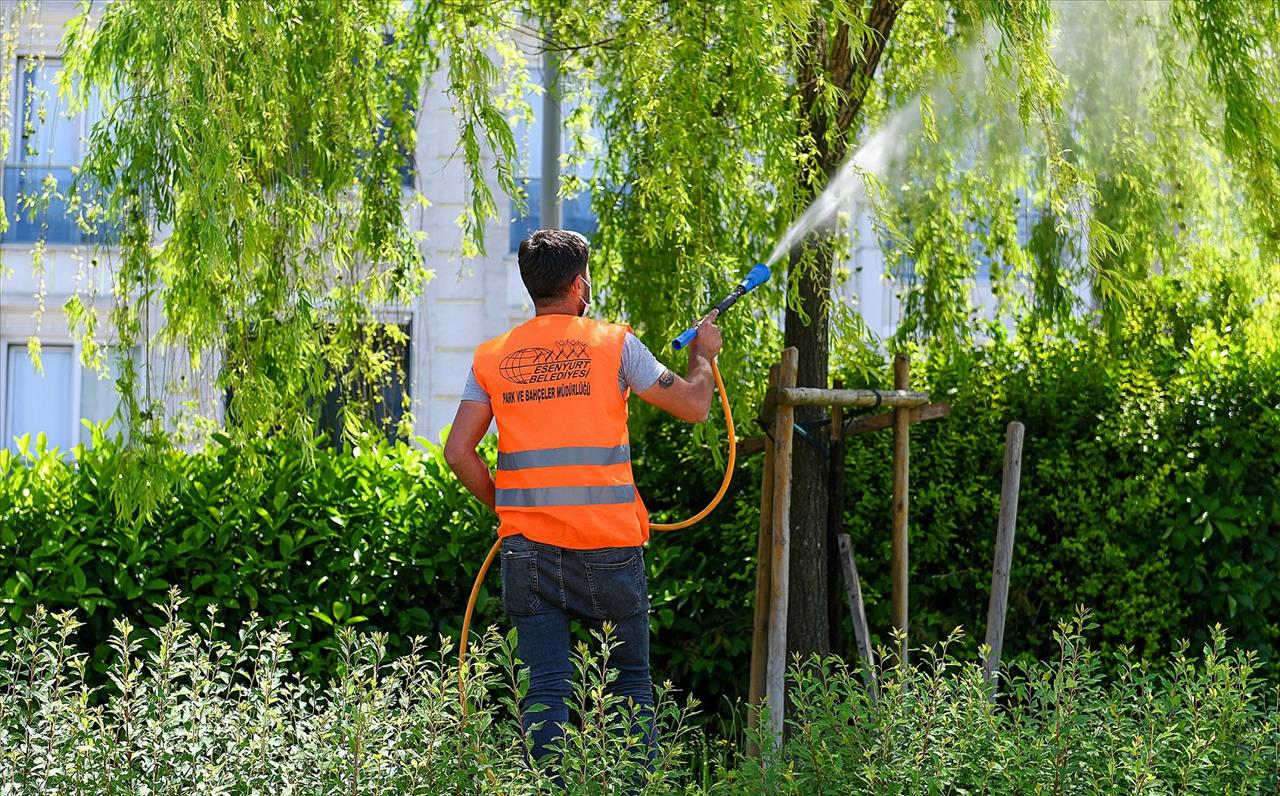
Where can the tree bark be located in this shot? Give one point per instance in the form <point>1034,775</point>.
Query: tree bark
<point>830,55</point>
<point>807,614</point>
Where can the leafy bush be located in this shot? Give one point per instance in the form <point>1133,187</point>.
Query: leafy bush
<point>1150,484</point>
<point>236,718</point>
<point>1150,491</point>
<point>1189,727</point>
<point>212,716</point>
<point>383,536</point>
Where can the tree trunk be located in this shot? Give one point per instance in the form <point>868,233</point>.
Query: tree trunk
<point>829,53</point>
<point>807,614</point>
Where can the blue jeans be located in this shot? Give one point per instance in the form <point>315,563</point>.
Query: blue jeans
<point>543,587</point>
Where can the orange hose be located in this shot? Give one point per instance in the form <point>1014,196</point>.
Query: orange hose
<point>466,620</point>
<point>730,463</point>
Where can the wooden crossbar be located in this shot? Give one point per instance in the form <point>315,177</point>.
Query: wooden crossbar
<point>749,446</point>
<point>815,396</point>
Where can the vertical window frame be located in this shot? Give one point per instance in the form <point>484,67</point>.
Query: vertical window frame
<point>8,344</point>
<point>17,161</point>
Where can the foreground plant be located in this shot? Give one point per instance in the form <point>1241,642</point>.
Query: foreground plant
<point>202,715</point>
<point>1208,726</point>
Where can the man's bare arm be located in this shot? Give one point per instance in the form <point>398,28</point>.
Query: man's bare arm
<point>689,398</point>
<point>469,427</point>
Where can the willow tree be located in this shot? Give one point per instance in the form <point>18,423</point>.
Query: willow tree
<point>250,163</point>
<point>250,157</point>
<point>1172,157</point>
<point>721,121</point>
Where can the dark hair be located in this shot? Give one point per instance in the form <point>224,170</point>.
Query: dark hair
<point>550,259</point>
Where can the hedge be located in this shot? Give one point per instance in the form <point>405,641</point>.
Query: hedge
<point>1150,493</point>
<point>1150,485</point>
<point>382,537</point>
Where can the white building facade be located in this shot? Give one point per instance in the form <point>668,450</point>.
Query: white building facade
<point>467,302</point>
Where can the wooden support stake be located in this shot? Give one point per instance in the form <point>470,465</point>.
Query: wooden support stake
<point>885,420</point>
<point>1003,559</point>
<point>750,446</point>
<point>860,631</point>
<point>779,581</point>
<point>901,462</point>
<point>835,521</point>
<point>760,623</point>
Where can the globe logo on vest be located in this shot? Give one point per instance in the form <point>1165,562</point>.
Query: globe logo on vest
<point>535,364</point>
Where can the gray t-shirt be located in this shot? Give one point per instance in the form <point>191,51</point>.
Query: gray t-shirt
<point>639,370</point>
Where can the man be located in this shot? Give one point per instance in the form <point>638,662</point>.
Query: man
<point>571,522</point>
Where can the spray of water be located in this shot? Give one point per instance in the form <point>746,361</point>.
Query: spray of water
<point>847,185</point>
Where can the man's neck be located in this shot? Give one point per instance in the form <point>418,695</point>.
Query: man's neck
<point>558,308</point>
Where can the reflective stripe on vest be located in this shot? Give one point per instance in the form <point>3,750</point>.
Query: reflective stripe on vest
<point>562,457</point>
<point>566,496</point>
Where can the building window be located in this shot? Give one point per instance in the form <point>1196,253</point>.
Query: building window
<point>575,214</point>
<point>40,402</point>
<point>100,396</point>
<point>386,399</point>
<point>47,146</point>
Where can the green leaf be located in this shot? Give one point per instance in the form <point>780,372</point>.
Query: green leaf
<point>78,578</point>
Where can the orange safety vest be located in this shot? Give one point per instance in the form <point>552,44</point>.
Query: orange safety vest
<point>564,457</point>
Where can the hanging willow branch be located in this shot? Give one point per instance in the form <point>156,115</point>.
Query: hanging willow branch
<point>252,159</point>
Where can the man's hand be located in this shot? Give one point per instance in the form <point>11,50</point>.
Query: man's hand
<point>690,398</point>
<point>708,342</point>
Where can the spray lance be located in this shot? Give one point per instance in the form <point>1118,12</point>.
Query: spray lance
<point>754,279</point>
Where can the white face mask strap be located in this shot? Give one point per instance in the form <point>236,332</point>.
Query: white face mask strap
<point>586,302</point>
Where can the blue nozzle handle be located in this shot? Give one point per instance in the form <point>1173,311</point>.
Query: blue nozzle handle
<point>685,338</point>
<point>754,279</point>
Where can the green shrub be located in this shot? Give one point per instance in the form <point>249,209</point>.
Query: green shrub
<point>204,715</point>
<point>1150,491</point>
<point>237,718</point>
<point>383,537</point>
<point>1189,726</point>
<point>1150,485</point>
